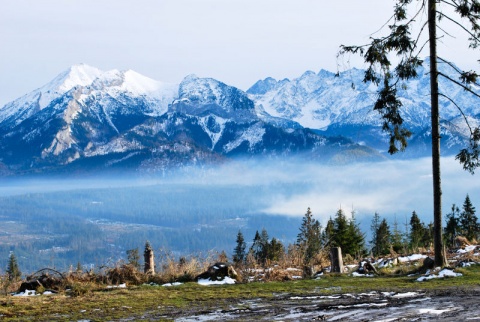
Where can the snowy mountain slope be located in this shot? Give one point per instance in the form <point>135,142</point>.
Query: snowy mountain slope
<point>94,84</point>
<point>111,119</point>
<point>80,109</point>
<point>22,108</point>
<point>88,118</point>
<point>343,104</point>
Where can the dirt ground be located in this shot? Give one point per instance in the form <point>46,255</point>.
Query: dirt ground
<point>446,305</point>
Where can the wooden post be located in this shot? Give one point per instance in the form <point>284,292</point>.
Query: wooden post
<point>336,260</point>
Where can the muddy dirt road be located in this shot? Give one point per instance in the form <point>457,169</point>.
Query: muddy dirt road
<point>450,305</point>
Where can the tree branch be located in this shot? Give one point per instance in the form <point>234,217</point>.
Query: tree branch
<point>454,5</point>
<point>459,84</point>
<point>460,110</point>
<point>455,68</point>
<point>459,25</point>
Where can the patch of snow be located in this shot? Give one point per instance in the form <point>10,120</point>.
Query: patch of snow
<point>467,249</point>
<point>433,311</point>
<point>293,269</point>
<point>443,273</point>
<point>404,295</point>
<point>356,274</point>
<point>411,258</point>
<point>226,280</point>
<point>27,293</point>
<point>252,135</point>
<point>172,284</point>
<point>118,286</point>
<point>362,305</point>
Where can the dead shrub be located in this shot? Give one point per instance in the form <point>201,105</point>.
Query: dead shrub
<point>125,274</point>
<point>184,270</point>
<point>349,259</point>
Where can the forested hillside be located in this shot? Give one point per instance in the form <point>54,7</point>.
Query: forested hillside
<point>94,226</point>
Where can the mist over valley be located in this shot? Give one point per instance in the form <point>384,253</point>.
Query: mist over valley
<point>62,222</point>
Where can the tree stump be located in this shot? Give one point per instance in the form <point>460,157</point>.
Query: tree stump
<point>336,260</point>
<point>149,260</point>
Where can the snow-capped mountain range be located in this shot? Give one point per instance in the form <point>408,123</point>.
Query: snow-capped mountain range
<point>91,119</point>
<point>342,105</point>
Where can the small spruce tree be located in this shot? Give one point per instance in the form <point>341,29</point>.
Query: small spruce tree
<point>133,258</point>
<point>355,244</point>
<point>417,231</point>
<point>398,244</point>
<point>239,255</point>
<point>383,241</point>
<point>328,233</point>
<point>13,271</point>
<point>452,227</point>
<point>374,228</point>
<point>469,221</point>
<point>276,250</point>
<point>309,238</point>
<point>347,235</point>
<point>260,246</point>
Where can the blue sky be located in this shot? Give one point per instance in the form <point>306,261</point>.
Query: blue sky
<point>235,41</point>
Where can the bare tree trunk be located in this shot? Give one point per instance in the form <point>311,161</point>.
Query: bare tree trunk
<point>437,185</point>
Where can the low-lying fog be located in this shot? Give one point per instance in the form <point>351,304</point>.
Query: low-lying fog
<point>389,188</point>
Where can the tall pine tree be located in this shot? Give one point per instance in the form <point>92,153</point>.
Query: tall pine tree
<point>399,45</point>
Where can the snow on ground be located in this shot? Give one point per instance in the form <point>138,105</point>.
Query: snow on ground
<point>118,286</point>
<point>468,264</point>
<point>467,249</point>
<point>172,284</point>
<point>404,295</point>
<point>27,293</point>
<point>411,258</point>
<point>226,280</point>
<point>32,293</point>
<point>356,274</point>
<point>432,311</point>
<point>443,273</point>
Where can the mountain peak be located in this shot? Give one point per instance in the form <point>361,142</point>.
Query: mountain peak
<point>262,86</point>
<point>76,75</point>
